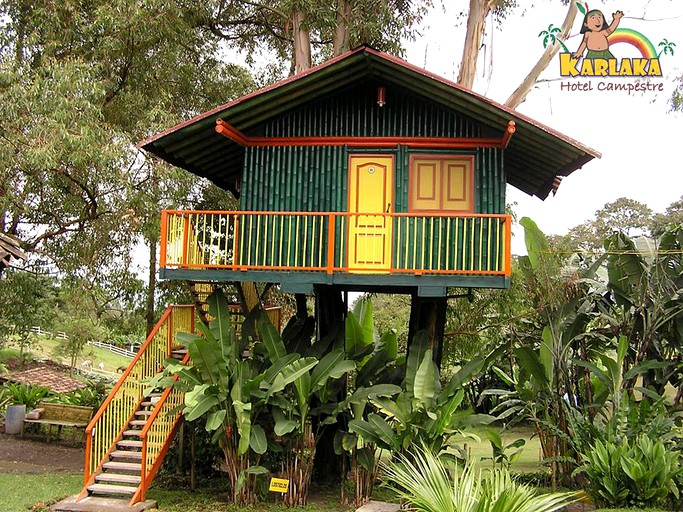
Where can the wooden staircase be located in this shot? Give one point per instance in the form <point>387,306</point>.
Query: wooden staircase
<point>128,437</point>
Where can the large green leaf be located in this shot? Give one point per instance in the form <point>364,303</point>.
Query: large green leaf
<point>343,367</point>
<point>367,322</point>
<point>243,415</point>
<point>201,405</point>
<point>215,419</point>
<point>529,360</point>
<point>221,325</point>
<point>463,375</point>
<point>366,459</point>
<point>392,409</point>
<point>291,372</point>
<point>626,270</point>
<point>354,342</point>
<point>323,369</point>
<point>367,432</point>
<point>207,359</point>
<point>416,350</point>
<point>537,246</point>
<point>303,394</point>
<point>275,368</point>
<point>270,338</point>
<point>389,341</point>
<point>285,426</point>
<point>446,413</point>
<point>362,394</point>
<point>384,431</point>
<point>424,388</point>
<point>185,338</point>
<point>372,367</point>
<point>257,439</point>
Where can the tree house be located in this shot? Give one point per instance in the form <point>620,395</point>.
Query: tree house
<point>365,173</point>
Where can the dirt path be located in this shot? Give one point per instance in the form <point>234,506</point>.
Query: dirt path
<point>29,456</point>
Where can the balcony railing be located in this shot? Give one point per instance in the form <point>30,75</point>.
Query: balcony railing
<point>474,244</point>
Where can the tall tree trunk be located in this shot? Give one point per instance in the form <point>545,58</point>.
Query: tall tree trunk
<point>519,96</point>
<point>479,10</point>
<point>302,42</point>
<point>151,289</point>
<point>340,40</point>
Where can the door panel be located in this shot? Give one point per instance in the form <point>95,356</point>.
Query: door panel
<point>371,183</point>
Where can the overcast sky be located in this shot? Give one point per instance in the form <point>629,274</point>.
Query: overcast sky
<point>640,140</point>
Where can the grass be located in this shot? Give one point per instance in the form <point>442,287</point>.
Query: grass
<point>20,491</point>
<point>50,348</point>
<point>529,460</point>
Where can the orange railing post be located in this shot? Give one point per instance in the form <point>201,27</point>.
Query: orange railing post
<point>164,239</point>
<point>507,226</point>
<point>330,242</point>
<point>235,243</point>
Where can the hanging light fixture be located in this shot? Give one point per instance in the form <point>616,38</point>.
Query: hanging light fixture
<point>381,96</point>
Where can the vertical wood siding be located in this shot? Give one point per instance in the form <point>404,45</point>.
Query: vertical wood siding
<point>315,178</point>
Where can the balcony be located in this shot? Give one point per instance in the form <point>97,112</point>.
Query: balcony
<point>300,249</point>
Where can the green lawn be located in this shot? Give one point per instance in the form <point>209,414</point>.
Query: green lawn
<point>528,461</point>
<point>49,348</point>
<point>19,492</point>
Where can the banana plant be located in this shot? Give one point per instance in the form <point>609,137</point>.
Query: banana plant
<point>377,367</point>
<point>229,390</point>
<point>646,282</point>
<point>302,389</point>
<point>423,412</point>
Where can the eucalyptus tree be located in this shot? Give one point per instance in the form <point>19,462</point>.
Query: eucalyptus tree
<point>302,32</point>
<point>80,84</point>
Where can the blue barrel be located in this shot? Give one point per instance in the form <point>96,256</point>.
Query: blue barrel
<point>14,419</point>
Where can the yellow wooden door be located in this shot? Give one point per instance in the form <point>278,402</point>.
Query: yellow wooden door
<point>371,183</point>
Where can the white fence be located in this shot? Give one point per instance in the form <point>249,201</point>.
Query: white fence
<point>40,332</point>
<point>129,352</point>
<point>117,350</point>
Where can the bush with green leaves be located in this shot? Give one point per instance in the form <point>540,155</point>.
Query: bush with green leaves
<point>24,394</point>
<point>428,485</point>
<point>91,396</point>
<point>637,472</point>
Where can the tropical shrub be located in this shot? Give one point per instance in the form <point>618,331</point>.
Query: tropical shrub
<point>91,396</point>
<point>255,397</point>
<point>426,484</point>
<point>638,472</point>
<point>24,394</point>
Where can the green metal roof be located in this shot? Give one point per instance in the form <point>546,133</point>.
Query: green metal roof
<point>534,159</point>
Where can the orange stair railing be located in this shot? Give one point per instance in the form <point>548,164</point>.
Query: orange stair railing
<point>119,408</point>
<point>158,435</point>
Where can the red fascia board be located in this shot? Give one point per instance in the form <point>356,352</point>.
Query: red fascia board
<point>394,60</point>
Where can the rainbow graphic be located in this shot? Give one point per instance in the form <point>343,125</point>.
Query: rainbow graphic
<point>634,38</point>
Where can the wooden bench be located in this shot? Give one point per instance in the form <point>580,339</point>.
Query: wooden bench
<point>62,415</point>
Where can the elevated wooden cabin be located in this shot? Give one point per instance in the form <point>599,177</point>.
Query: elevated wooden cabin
<point>363,173</point>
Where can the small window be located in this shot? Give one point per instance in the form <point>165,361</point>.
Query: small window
<point>441,184</point>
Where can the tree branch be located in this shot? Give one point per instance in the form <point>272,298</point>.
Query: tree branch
<point>519,96</point>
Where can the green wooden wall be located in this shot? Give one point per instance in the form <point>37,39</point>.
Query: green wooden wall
<point>316,179</point>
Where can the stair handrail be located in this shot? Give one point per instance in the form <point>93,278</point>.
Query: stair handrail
<point>152,457</point>
<point>131,397</point>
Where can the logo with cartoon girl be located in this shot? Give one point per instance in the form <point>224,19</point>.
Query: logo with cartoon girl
<point>598,38</point>
<point>595,33</point>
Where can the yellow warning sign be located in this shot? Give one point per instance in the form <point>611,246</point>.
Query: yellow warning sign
<point>279,485</point>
